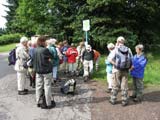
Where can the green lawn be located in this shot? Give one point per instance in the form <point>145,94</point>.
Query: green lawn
<point>6,48</point>
<point>152,71</point>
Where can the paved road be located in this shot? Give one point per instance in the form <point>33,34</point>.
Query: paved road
<point>15,107</point>
<point>90,102</point>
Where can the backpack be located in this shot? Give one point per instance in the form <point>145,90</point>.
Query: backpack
<point>123,58</point>
<point>12,57</point>
<point>69,87</point>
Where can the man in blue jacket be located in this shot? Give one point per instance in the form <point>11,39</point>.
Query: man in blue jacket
<point>139,62</point>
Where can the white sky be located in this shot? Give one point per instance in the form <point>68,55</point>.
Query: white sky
<point>2,13</point>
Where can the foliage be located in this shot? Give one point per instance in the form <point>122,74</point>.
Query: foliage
<point>10,38</point>
<point>136,20</point>
<point>7,48</point>
<point>151,76</point>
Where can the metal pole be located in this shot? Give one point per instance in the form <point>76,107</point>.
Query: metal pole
<point>86,38</point>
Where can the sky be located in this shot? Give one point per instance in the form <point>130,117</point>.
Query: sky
<point>2,13</point>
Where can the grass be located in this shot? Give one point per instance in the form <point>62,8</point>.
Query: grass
<point>151,75</point>
<point>152,71</point>
<point>6,48</point>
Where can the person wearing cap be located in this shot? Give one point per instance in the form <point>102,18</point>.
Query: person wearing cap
<point>109,67</point>
<point>55,60</point>
<point>87,59</point>
<point>120,72</point>
<point>22,57</point>
<point>71,54</point>
<point>139,62</point>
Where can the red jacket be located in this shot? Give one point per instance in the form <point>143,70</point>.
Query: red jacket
<point>71,53</point>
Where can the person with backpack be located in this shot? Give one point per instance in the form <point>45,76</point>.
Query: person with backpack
<point>22,57</point>
<point>121,58</point>
<point>87,59</point>
<point>139,62</point>
<point>55,60</point>
<point>42,64</point>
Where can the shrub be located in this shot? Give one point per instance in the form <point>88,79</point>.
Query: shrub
<point>10,38</point>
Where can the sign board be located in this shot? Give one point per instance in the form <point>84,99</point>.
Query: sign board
<point>86,25</point>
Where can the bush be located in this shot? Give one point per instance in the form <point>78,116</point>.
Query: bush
<point>10,38</point>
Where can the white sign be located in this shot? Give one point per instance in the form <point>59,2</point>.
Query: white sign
<point>86,25</point>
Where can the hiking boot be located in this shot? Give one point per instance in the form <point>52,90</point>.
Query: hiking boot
<point>53,104</point>
<point>124,103</point>
<point>113,102</point>
<point>38,105</point>
<point>43,106</point>
<point>23,92</point>
<point>26,90</point>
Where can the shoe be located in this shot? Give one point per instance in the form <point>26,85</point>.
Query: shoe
<point>38,105</point>
<point>22,92</point>
<point>53,104</point>
<point>26,90</point>
<point>43,106</point>
<point>113,102</point>
<point>124,103</point>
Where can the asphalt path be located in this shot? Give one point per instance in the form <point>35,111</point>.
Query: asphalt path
<point>23,107</point>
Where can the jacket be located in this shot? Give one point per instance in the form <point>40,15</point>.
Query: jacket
<point>139,63</point>
<point>71,53</point>
<point>22,56</point>
<point>53,51</point>
<point>88,55</point>
<point>42,60</point>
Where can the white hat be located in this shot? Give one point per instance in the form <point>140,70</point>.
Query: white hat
<point>52,41</point>
<point>120,39</point>
<point>23,39</point>
<point>110,45</point>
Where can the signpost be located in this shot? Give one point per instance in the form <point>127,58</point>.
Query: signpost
<point>86,28</point>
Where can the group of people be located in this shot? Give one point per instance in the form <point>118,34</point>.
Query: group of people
<point>120,62</point>
<point>41,58</point>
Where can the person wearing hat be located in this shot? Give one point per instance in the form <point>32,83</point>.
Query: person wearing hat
<point>109,67</point>
<point>121,59</point>
<point>87,59</point>
<point>22,57</point>
<point>71,54</point>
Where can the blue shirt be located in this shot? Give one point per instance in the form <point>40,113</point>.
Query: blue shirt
<point>139,62</point>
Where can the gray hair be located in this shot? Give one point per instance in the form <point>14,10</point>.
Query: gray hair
<point>121,39</point>
<point>140,46</point>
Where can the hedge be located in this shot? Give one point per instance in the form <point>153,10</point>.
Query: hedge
<point>9,38</point>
